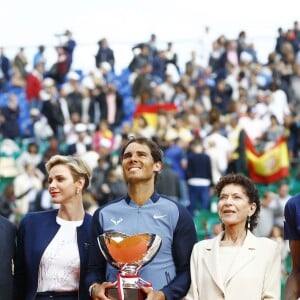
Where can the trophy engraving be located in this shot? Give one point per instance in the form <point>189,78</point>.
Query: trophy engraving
<point>128,253</point>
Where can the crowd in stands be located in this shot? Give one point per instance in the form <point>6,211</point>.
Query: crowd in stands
<point>217,102</point>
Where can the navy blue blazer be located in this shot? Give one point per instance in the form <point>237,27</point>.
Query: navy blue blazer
<point>7,253</point>
<point>35,232</point>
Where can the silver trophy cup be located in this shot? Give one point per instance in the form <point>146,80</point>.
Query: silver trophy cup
<point>128,253</point>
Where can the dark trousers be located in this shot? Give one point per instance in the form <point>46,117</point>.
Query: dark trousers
<point>57,295</point>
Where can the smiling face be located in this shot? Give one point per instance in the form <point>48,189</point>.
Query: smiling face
<point>138,164</point>
<point>62,187</point>
<point>234,206</point>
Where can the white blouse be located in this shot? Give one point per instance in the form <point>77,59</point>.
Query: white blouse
<point>60,264</point>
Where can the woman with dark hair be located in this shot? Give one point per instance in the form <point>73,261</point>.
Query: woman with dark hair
<point>236,264</point>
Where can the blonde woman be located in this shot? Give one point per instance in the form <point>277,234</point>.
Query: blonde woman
<point>52,245</point>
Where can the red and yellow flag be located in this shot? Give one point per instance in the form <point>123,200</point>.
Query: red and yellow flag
<point>150,111</point>
<point>270,166</point>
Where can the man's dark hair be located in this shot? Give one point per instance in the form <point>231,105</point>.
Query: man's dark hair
<point>156,152</point>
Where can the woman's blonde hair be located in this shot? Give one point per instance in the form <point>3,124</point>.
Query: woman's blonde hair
<point>77,167</point>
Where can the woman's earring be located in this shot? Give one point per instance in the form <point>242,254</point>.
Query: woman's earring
<point>248,222</point>
<point>77,191</point>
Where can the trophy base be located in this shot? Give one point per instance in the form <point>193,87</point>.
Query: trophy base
<point>129,294</point>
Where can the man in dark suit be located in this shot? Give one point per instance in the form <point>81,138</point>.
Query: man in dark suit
<point>7,253</point>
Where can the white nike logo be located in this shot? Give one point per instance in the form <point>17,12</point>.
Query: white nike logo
<point>116,222</point>
<point>159,216</point>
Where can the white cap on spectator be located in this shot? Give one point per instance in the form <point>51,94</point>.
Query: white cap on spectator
<point>80,127</point>
<point>105,66</point>
<point>246,57</point>
<point>106,143</point>
<point>44,95</point>
<point>48,82</point>
<point>34,112</point>
<point>72,75</point>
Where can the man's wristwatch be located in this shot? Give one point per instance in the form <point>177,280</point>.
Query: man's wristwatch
<point>91,289</point>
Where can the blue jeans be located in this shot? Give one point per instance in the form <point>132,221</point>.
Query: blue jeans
<point>199,195</point>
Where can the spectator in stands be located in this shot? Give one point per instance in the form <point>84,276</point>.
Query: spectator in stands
<point>242,43</point>
<point>168,88</point>
<point>43,199</point>
<point>34,84</point>
<point>143,128</point>
<point>161,128</point>
<point>168,182</point>
<point>53,147</point>
<point>141,59</point>
<point>219,148</point>
<point>8,208</point>
<point>5,70</point>
<point>105,54</point>
<point>26,186</point>
<point>295,88</point>
<point>64,104</point>
<point>152,43</point>
<point>252,124</point>
<point>221,95</point>
<point>9,118</point>
<point>142,85</point>
<point>282,196</point>
<point>69,47</point>
<point>180,128</point>
<point>20,62</point>
<point>37,128</point>
<point>113,185</point>
<point>278,103</point>
<point>268,210</point>
<point>175,154</point>
<point>280,40</point>
<point>39,57</point>
<point>216,59</point>
<point>273,133</point>
<point>30,156</point>
<point>199,179</point>
<point>102,134</point>
<point>51,108</point>
<point>159,67</point>
<point>68,44</point>
<point>110,103</point>
<point>172,57</point>
<point>60,68</point>
<point>192,67</point>
<point>237,161</point>
<point>83,143</point>
<point>73,93</point>
<point>277,236</point>
<point>180,96</point>
<point>99,174</point>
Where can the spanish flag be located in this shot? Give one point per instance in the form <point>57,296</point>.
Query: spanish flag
<point>270,166</point>
<point>150,111</point>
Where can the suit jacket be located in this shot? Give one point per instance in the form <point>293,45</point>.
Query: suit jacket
<point>7,252</point>
<point>254,274</point>
<point>35,232</point>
